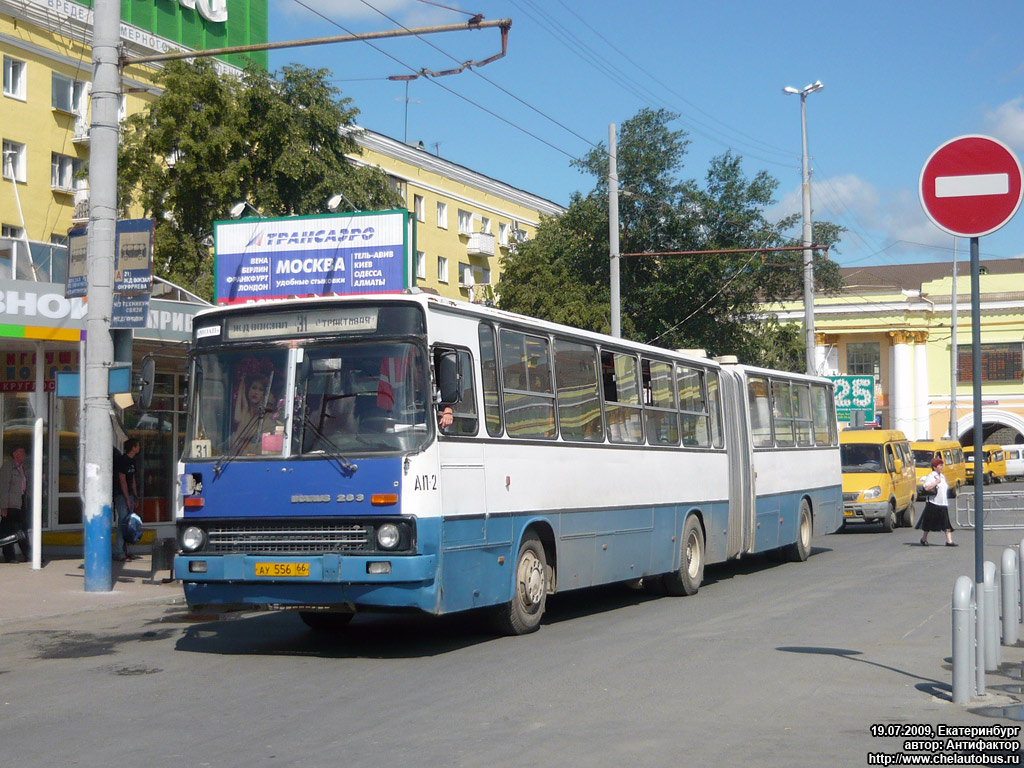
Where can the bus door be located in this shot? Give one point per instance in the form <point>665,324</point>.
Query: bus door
<point>742,509</point>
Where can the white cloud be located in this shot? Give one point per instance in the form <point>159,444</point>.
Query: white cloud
<point>1006,122</point>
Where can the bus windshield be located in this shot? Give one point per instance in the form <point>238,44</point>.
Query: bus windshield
<point>923,458</point>
<point>350,398</point>
<point>861,457</point>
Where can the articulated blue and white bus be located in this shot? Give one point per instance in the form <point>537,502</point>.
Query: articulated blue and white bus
<point>398,452</point>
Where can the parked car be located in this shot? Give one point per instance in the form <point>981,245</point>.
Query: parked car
<point>993,464</point>
<point>952,456</point>
<point>879,481</point>
<point>1014,461</point>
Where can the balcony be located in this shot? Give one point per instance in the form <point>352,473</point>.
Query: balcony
<point>480,244</point>
<point>81,136</point>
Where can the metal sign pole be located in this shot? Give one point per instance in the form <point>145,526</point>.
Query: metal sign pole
<point>979,427</point>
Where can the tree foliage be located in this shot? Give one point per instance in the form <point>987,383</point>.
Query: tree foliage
<point>706,301</point>
<point>278,141</point>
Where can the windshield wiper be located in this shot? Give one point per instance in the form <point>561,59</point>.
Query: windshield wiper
<point>347,467</point>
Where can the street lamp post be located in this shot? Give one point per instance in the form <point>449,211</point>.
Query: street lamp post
<point>808,229</point>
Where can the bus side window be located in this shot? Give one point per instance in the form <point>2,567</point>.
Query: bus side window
<point>464,411</point>
<point>578,391</point>
<point>694,417</point>
<point>760,412</point>
<point>782,413</point>
<point>621,398</point>
<point>821,415</point>
<point>489,380</point>
<point>660,403</point>
<point>715,409</point>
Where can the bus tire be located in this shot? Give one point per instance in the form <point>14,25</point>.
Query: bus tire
<point>800,549</point>
<point>522,614</point>
<point>325,621</point>
<point>889,521</point>
<point>687,580</point>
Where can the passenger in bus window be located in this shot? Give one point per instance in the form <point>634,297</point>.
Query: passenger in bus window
<point>253,398</point>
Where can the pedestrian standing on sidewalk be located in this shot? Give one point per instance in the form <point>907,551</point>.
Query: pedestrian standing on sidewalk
<point>125,493</point>
<point>936,509</point>
<point>13,487</point>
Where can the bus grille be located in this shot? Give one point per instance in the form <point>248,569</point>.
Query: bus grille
<point>284,538</point>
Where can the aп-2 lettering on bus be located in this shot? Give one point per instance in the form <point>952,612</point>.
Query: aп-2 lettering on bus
<point>426,483</point>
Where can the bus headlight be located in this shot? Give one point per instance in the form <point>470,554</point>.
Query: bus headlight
<point>873,493</point>
<point>389,536</point>
<point>192,539</point>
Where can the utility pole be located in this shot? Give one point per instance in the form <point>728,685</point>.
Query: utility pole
<point>953,361</point>
<point>99,345</point>
<point>808,238</point>
<point>613,232</point>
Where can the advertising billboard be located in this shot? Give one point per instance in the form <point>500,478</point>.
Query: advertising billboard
<point>332,254</point>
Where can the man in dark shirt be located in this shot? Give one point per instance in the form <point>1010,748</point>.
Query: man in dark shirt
<point>125,494</point>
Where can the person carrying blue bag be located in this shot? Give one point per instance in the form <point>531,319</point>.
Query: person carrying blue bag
<point>125,496</point>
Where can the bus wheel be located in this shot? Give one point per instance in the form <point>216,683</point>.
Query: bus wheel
<point>800,549</point>
<point>325,621</point>
<point>889,521</point>
<point>522,614</point>
<point>687,580</point>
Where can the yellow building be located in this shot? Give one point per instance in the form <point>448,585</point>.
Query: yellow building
<point>894,323</point>
<point>465,221</point>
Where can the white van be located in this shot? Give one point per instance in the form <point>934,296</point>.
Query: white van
<point>1014,461</point>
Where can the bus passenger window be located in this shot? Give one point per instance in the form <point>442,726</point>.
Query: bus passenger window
<point>821,413</point>
<point>760,412</point>
<point>528,398</point>
<point>660,403</point>
<point>621,398</point>
<point>694,412</point>
<point>802,421</point>
<point>489,380</point>
<point>579,394</point>
<point>782,413</point>
<point>715,409</point>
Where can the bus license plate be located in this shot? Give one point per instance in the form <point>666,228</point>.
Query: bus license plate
<point>282,569</point>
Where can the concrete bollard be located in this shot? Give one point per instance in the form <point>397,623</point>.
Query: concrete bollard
<point>989,595</point>
<point>1009,583</point>
<point>1020,573</point>
<point>963,651</point>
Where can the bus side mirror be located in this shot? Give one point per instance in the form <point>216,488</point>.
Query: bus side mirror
<point>148,377</point>
<point>449,377</point>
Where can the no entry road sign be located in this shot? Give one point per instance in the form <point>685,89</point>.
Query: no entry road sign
<point>971,186</point>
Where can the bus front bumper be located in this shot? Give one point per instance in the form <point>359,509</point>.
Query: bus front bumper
<point>232,582</point>
<point>865,510</point>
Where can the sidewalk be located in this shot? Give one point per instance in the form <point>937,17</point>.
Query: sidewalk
<point>58,588</point>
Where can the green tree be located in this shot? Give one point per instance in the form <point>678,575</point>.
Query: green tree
<point>709,301</point>
<point>208,141</point>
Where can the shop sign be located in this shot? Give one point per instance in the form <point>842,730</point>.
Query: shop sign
<point>18,369</point>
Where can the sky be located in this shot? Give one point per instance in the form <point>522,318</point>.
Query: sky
<point>901,77</point>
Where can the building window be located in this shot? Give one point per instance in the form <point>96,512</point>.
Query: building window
<point>442,215</point>
<point>14,78</point>
<point>14,160</point>
<point>503,234</point>
<point>465,275</point>
<point>62,172</point>
<point>9,230</point>
<point>863,358</point>
<point>465,222</point>
<point>482,276</point>
<point>442,269</point>
<point>417,204</point>
<point>397,184</point>
<point>421,265</point>
<point>67,95</point>
<point>485,225</point>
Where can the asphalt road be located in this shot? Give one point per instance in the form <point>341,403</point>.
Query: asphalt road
<point>770,664</point>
